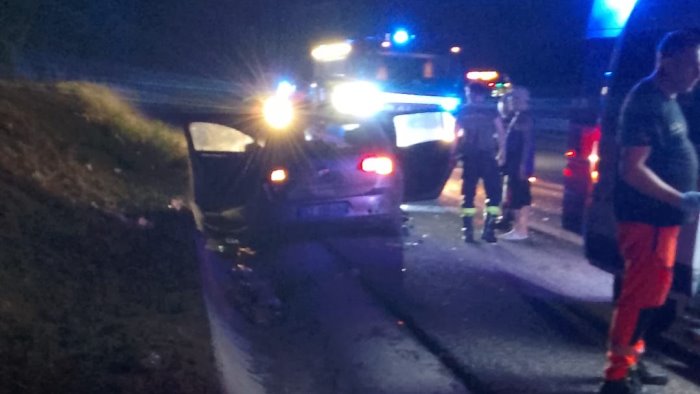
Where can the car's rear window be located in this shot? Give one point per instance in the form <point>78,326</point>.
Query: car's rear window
<point>350,135</point>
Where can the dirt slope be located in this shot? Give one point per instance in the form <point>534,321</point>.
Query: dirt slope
<point>99,288</point>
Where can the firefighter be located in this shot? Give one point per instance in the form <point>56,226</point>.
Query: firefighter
<point>479,146</point>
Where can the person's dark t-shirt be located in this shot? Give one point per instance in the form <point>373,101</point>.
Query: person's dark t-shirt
<point>690,103</point>
<point>519,144</point>
<point>650,118</point>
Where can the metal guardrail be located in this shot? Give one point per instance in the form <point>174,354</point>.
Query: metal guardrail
<point>147,87</point>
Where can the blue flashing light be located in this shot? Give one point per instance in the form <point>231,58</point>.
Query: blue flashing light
<point>285,89</point>
<point>401,37</point>
<point>609,17</point>
<point>450,104</point>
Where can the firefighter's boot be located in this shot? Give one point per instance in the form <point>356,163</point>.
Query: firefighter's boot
<point>468,224</point>
<point>504,222</point>
<point>642,373</point>
<point>489,232</point>
<point>468,229</point>
<point>623,386</point>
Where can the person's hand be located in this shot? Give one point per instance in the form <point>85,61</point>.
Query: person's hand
<point>690,201</point>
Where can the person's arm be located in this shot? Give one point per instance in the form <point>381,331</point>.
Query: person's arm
<point>634,172</point>
<point>460,130</point>
<point>500,139</point>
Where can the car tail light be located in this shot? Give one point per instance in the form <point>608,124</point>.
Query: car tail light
<point>380,165</point>
<point>567,172</point>
<point>570,154</point>
<point>593,157</point>
<point>593,160</point>
<point>278,175</point>
<point>590,139</point>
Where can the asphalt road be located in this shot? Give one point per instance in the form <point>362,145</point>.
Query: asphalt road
<point>511,312</point>
<point>506,318</point>
<point>325,314</point>
<point>481,318</point>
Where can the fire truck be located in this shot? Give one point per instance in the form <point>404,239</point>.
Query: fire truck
<point>414,84</point>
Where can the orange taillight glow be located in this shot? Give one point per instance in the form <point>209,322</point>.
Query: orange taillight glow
<point>278,175</point>
<point>594,176</point>
<point>570,153</point>
<point>380,165</point>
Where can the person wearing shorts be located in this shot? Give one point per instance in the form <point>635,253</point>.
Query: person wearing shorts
<point>519,164</point>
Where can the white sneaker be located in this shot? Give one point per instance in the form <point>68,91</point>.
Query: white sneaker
<point>513,236</point>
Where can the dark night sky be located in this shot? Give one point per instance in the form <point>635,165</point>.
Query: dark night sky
<point>538,42</point>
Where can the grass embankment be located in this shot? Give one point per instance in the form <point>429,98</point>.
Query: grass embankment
<point>92,299</point>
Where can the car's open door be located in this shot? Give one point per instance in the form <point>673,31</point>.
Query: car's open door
<point>225,166</point>
<point>426,147</point>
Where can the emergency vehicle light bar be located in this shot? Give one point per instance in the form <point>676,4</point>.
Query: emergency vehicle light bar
<point>447,103</point>
<point>482,75</point>
<point>331,52</point>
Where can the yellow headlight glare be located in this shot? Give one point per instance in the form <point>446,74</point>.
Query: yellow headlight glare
<point>278,112</point>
